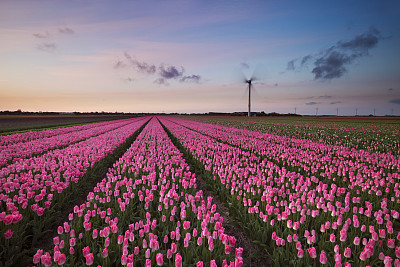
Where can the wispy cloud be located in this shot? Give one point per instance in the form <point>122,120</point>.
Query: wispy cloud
<point>42,35</point>
<point>244,65</point>
<point>335,102</point>
<point>163,71</point>
<point>333,62</point>
<point>395,101</point>
<point>142,67</point>
<point>161,81</point>
<point>129,79</point>
<point>66,30</point>
<point>290,64</point>
<point>325,97</point>
<point>51,46</point>
<point>47,47</point>
<point>119,65</point>
<point>170,72</point>
<point>192,78</point>
<point>312,103</point>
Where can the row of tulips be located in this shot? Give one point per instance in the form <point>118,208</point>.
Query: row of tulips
<point>375,173</point>
<point>368,135</point>
<point>28,187</point>
<point>315,219</point>
<point>20,150</point>
<point>22,137</point>
<point>147,211</point>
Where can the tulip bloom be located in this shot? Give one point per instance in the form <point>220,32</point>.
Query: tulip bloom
<point>105,253</point>
<point>391,243</point>
<point>227,249</point>
<point>322,258</point>
<point>159,259</point>
<point>347,252</point>
<point>85,251</point>
<point>178,260</point>
<point>332,238</point>
<point>312,252</point>
<point>61,259</point>
<point>89,259</point>
<point>46,259</point>
<point>173,248</point>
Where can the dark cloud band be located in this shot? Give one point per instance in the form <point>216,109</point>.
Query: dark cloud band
<point>333,62</point>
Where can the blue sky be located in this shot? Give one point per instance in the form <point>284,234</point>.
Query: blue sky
<point>189,56</point>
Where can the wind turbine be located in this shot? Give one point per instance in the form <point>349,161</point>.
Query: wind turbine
<point>250,82</point>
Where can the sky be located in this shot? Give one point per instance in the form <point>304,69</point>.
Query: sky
<point>308,57</point>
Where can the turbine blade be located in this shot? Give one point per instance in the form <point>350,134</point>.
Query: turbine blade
<point>258,73</point>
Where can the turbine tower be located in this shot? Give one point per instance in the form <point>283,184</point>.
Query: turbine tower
<point>249,82</point>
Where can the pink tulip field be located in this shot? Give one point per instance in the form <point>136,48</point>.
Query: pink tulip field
<point>29,186</point>
<point>147,211</point>
<point>306,202</point>
<point>31,143</point>
<point>307,193</point>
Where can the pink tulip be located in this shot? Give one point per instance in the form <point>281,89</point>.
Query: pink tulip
<point>8,234</point>
<point>169,253</point>
<point>322,258</point>
<point>238,252</point>
<point>46,259</point>
<point>332,238</point>
<point>173,248</point>
<point>95,233</point>
<point>186,225</point>
<point>178,260</point>
<point>391,243</point>
<point>36,257</point>
<point>227,249</point>
<point>312,252</point>
<point>85,251</point>
<point>61,259</point>
<point>159,259</point>
<point>338,257</point>
<point>397,252</point>
<point>381,256</point>
<point>89,259</point>
<point>124,259</point>
<point>347,252</point>
<point>105,253</point>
